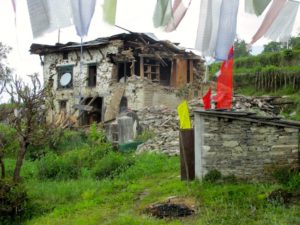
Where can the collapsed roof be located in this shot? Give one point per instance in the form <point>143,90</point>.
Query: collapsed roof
<point>132,39</point>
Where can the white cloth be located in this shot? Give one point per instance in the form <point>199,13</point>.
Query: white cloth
<point>282,27</point>
<point>227,28</point>
<point>216,9</point>
<point>60,13</point>
<point>48,15</point>
<point>39,17</point>
<point>204,26</point>
<point>271,15</point>
<point>82,11</point>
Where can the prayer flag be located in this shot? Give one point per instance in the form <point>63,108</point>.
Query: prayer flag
<point>163,13</point>
<point>206,99</point>
<point>271,15</point>
<point>179,11</point>
<point>224,84</point>
<point>109,11</point>
<point>184,116</point>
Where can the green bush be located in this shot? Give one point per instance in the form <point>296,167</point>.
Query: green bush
<point>95,136</point>
<point>213,176</point>
<point>13,202</point>
<point>70,164</point>
<point>112,164</point>
<point>294,182</point>
<point>145,136</point>
<point>287,176</point>
<point>8,140</point>
<point>54,167</point>
<point>63,141</point>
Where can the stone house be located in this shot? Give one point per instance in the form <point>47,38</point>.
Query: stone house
<point>244,144</point>
<point>128,70</point>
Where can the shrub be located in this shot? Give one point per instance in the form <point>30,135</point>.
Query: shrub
<point>213,176</point>
<point>13,201</point>
<point>287,176</point>
<point>8,140</point>
<point>95,136</point>
<point>294,182</point>
<point>54,167</point>
<point>112,164</point>
<point>145,136</point>
<point>67,140</point>
<point>70,164</point>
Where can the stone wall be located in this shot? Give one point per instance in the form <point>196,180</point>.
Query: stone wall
<point>104,75</point>
<point>245,149</point>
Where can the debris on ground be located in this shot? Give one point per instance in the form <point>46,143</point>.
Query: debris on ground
<point>281,196</point>
<point>163,122</point>
<point>172,208</point>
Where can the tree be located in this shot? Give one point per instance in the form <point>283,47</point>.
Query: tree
<point>28,118</point>
<point>5,71</point>
<point>273,46</point>
<point>294,43</point>
<point>241,48</point>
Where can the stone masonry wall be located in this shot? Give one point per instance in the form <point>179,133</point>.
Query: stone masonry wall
<point>246,150</point>
<point>104,75</point>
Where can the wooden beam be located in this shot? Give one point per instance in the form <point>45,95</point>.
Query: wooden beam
<point>83,107</point>
<point>142,67</point>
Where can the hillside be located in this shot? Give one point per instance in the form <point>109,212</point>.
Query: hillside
<point>274,74</point>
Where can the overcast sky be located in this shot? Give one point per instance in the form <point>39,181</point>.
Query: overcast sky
<point>134,15</point>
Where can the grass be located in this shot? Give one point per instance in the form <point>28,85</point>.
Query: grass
<point>153,178</point>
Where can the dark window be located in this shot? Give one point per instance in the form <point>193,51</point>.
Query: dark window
<point>92,79</point>
<point>65,55</point>
<point>63,105</point>
<point>152,70</point>
<point>124,70</point>
<point>64,80</point>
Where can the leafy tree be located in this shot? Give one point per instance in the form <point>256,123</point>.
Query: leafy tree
<point>294,43</point>
<point>273,46</point>
<point>28,117</point>
<point>241,48</point>
<point>5,71</point>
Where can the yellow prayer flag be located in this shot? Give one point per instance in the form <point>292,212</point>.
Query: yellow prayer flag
<point>184,116</point>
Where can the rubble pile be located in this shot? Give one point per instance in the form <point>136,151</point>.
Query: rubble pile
<point>164,123</point>
<point>262,105</point>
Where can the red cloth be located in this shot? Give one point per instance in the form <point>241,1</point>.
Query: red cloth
<point>206,99</point>
<point>224,84</point>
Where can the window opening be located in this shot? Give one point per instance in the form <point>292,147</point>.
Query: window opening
<point>124,70</point>
<point>63,106</point>
<point>152,70</point>
<point>92,75</point>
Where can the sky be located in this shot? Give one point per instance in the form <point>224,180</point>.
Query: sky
<point>134,15</point>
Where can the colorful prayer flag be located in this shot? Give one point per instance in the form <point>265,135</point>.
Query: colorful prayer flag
<point>224,84</point>
<point>206,99</point>
<point>184,116</point>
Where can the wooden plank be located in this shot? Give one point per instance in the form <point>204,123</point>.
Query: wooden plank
<point>113,107</point>
<point>181,72</point>
<point>142,67</point>
<point>191,65</point>
<point>83,107</point>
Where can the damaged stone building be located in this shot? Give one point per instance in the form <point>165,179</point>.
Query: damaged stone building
<point>120,72</point>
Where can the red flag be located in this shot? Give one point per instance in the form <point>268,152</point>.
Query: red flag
<point>206,99</point>
<point>224,84</point>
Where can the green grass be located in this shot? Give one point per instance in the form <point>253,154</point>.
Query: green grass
<point>153,178</point>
